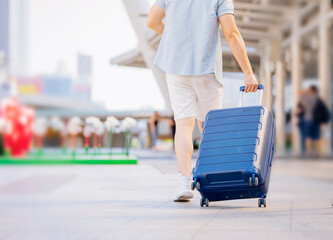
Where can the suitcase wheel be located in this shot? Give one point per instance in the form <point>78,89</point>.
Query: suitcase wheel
<point>262,201</point>
<point>195,185</point>
<point>204,201</point>
<point>254,182</point>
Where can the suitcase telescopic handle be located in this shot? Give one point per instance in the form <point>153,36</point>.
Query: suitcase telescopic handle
<point>242,90</point>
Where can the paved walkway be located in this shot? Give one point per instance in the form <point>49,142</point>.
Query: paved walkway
<point>133,202</point>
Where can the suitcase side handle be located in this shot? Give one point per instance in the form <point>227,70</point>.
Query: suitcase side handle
<point>242,89</point>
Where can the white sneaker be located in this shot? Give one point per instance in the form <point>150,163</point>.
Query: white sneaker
<point>184,189</point>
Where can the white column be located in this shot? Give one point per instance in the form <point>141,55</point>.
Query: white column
<point>269,86</point>
<point>19,37</point>
<point>296,73</point>
<point>267,77</point>
<point>261,68</point>
<point>324,62</point>
<point>280,116</point>
<point>135,9</point>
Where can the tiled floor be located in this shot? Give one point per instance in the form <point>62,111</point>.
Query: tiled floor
<point>134,202</point>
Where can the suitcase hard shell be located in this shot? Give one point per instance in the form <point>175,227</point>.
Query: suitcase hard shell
<point>235,155</point>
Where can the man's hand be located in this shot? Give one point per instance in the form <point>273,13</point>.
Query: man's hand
<point>251,84</point>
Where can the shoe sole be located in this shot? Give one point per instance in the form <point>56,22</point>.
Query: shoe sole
<point>183,198</point>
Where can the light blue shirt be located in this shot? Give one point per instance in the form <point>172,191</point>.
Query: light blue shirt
<point>190,35</point>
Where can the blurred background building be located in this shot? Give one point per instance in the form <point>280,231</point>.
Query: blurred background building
<point>82,87</point>
<point>51,90</point>
<point>4,46</point>
<point>4,29</point>
<point>19,30</point>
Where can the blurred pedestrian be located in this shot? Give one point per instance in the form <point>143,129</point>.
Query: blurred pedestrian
<point>154,128</point>
<point>316,114</point>
<point>301,124</point>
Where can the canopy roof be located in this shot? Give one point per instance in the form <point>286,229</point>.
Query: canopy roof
<point>260,22</point>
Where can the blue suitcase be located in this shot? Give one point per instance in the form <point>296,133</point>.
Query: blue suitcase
<point>235,154</point>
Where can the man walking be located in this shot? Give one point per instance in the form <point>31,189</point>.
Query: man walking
<point>190,55</point>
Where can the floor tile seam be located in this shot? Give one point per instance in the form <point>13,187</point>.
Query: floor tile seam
<point>205,226</point>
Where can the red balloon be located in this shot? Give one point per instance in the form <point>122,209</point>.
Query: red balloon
<point>18,130</point>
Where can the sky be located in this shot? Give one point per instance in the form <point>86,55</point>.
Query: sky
<point>59,29</point>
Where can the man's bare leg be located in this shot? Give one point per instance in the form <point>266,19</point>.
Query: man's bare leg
<point>184,150</point>
<point>184,144</point>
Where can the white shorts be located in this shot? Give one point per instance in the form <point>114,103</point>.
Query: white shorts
<point>194,96</point>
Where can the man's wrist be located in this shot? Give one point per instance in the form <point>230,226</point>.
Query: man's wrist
<point>249,73</point>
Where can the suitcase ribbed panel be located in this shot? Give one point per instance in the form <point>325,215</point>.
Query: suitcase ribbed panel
<point>225,151</point>
<point>223,167</point>
<point>251,141</point>
<point>232,128</point>
<point>245,157</point>
<point>229,135</point>
<point>233,112</point>
<point>232,120</point>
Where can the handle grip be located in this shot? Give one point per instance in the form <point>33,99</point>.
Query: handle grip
<point>242,89</point>
<point>260,87</point>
